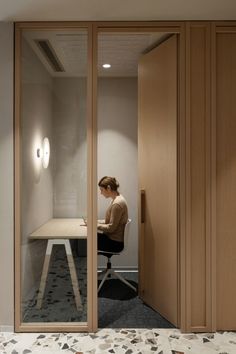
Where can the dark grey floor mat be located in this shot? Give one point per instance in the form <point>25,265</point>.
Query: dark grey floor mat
<point>120,307</point>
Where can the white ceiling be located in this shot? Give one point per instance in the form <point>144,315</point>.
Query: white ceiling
<point>121,50</point>
<point>105,10</point>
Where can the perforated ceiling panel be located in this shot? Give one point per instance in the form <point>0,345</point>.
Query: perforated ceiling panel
<point>120,50</point>
<point>69,47</point>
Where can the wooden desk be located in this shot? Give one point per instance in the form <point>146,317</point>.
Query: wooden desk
<point>59,231</point>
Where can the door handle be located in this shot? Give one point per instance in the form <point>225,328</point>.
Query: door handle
<point>142,206</point>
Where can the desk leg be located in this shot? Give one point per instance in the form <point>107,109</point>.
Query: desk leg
<point>73,275</point>
<point>44,274</point>
<point>72,270</point>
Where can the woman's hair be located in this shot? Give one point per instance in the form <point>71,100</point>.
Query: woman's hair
<point>111,182</point>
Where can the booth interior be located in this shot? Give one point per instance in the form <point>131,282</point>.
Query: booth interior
<point>54,172</point>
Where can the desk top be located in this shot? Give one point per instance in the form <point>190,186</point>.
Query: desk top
<point>61,228</point>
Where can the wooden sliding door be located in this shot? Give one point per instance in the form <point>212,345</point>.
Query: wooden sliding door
<point>157,85</point>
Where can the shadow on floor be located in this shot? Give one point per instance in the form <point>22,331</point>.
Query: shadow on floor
<point>120,307</point>
<point>114,289</point>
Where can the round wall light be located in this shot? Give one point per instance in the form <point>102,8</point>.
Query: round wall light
<point>46,152</point>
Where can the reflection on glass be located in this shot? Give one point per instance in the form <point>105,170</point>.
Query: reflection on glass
<point>53,176</point>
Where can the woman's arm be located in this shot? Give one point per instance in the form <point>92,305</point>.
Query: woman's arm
<point>116,213</point>
<point>101,221</point>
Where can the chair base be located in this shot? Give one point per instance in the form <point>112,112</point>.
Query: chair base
<point>108,272</point>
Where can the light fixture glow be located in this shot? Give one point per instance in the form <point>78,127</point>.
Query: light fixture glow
<point>106,66</point>
<point>46,152</point>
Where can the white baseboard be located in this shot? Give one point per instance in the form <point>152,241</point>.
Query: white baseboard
<point>7,329</point>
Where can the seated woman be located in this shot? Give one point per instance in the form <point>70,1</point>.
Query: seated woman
<point>112,238</point>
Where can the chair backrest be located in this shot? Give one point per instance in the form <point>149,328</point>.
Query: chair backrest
<point>126,234</point>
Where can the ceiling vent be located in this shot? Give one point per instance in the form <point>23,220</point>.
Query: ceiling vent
<point>49,53</point>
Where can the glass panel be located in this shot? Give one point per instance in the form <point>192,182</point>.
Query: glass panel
<point>118,54</point>
<point>53,176</point>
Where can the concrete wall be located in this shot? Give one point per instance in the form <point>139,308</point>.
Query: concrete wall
<point>118,154</point>
<point>37,188</point>
<point>6,177</point>
<point>69,147</point>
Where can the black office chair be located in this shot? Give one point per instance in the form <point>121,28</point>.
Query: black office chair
<point>109,271</point>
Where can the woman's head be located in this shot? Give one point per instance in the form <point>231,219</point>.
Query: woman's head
<point>108,186</point>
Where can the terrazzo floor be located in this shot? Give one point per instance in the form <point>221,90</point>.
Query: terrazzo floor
<point>123,341</point>
<point>106,340</point>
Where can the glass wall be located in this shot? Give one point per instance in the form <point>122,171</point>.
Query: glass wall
<point>53,165</point>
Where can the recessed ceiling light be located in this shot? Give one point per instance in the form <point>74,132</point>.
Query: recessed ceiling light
<point>106,66</point>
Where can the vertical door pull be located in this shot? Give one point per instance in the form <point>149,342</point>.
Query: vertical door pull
<point>142,206</point>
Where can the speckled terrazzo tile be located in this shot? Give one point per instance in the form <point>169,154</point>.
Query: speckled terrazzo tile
<point>2,349</point>
<point>202,343</point>
<point>123,341</point>
<point>137,341</point>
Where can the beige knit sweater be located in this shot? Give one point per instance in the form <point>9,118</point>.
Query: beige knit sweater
<point>116,218</point>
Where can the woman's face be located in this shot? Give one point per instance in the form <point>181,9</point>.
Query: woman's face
<point>105,192</point>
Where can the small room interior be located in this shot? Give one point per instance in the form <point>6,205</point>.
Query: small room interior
<point>53,105</point>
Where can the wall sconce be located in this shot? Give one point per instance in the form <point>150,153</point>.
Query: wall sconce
<point>44,153</point>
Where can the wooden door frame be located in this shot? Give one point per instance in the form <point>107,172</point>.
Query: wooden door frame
<point>172,28</point>
<point>182,169</point>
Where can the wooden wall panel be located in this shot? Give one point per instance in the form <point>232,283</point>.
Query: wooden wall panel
<point>198,116</point>
<point>226,180</point>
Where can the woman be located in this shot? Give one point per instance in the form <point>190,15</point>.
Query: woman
<point>112,237</point>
